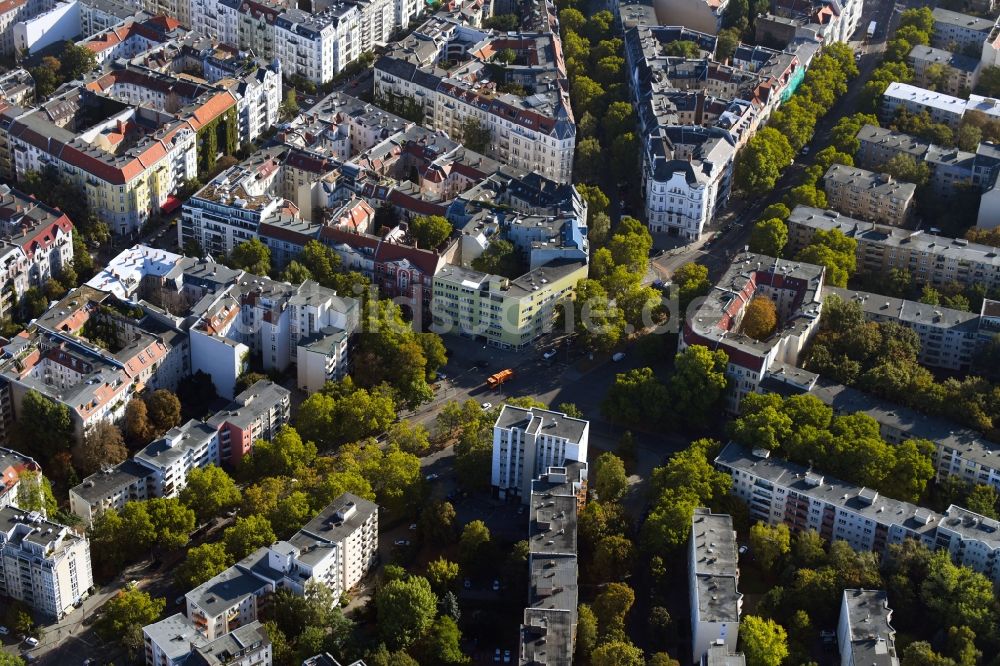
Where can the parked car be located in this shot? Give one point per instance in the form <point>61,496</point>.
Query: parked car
<point>467,584</point>
<point>487,406</point>
<point>506,656</point>
<point>402,543</point>
<point>496,585</point>
<point>432,477</point>
<point>549,354</point>
<point>413,527</point>
<point>4,630</point>
<point>618,357</point>
<point>31,641</point>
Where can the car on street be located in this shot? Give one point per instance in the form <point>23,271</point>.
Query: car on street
<point>441,376</point>
<point>468,584</point>
<point>179,601</point>
<point>487,406</point>
<point>744,548</point>
<point>805,150</point>
<point>506,656</point>
<point>31,641</point>
<point>432,477</point>
<point>549,354</point>
<point>131,585</point>
<point>618,357</point>
<point>496,585</point>
<point>4,630</point>
<point>402,543</point>
<point>413,527</point>
<point>496,655</point>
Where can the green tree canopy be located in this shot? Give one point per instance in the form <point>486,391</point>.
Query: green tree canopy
<point>405,609</point>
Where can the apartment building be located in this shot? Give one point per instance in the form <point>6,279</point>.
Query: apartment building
<point>958,452</point>
<point>534,130</point>
<point>14,11</point>
<point>17,87</point>
<point>936,260</point>
<point>132,37</point>
<point>796,290</point>
<point>43,564</point>
<point>942,106</point>
<point>778,491</point>
<point>951,73</point>
<point>172,457</point>
<point>713,582</point>
<point>128,160</point>
<point>337,548</point>
<point>16,471</point>
<point>821,20</point>
<point>100,15</point>
<point>162,467</point>
<point>36,243</point>
<point>548,631</point>
<point>56,24</point>
<point>94,383</point>
<point>267,318</point>
<point>175,641</point>
<point>318,46</point>
<point>954,31</point>
<point>864,633</point>
<point>526,442</point>
<point>868,195</point>
<point>694,114</point>
<point>949,338</point>
<point>258,412</point>
<point>950,168</point>
<point>510,314</point>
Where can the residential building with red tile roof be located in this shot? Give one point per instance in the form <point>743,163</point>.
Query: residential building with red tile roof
<point>128,138</point>
<point>13,466</point>
<point>36,243</point>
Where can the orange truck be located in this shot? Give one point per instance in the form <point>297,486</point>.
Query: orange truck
<point>499,378</point>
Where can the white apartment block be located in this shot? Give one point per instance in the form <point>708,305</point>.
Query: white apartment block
<point>43,564</point>
<point>172,457</point>
<point>57,24</point>
<point>777,491</point>
<point>949,338</point>
<point>321,358</point>
<point>713,581</point>
<point>526,442</point>
<point>175,641</point>
<point>14,11</point>
<point>864,633</point>
<point>534,132</point>
<point>954,31</point>
<point>337,549</point>
<point>928,258</point>
<point>959,451</point>
<point>13,466</point>
<point>868,195</point>
<point>318,46</point>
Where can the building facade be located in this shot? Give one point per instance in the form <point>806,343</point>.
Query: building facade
<point>528,441</point>
<point>42,564</point>
<point>868,195</point>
